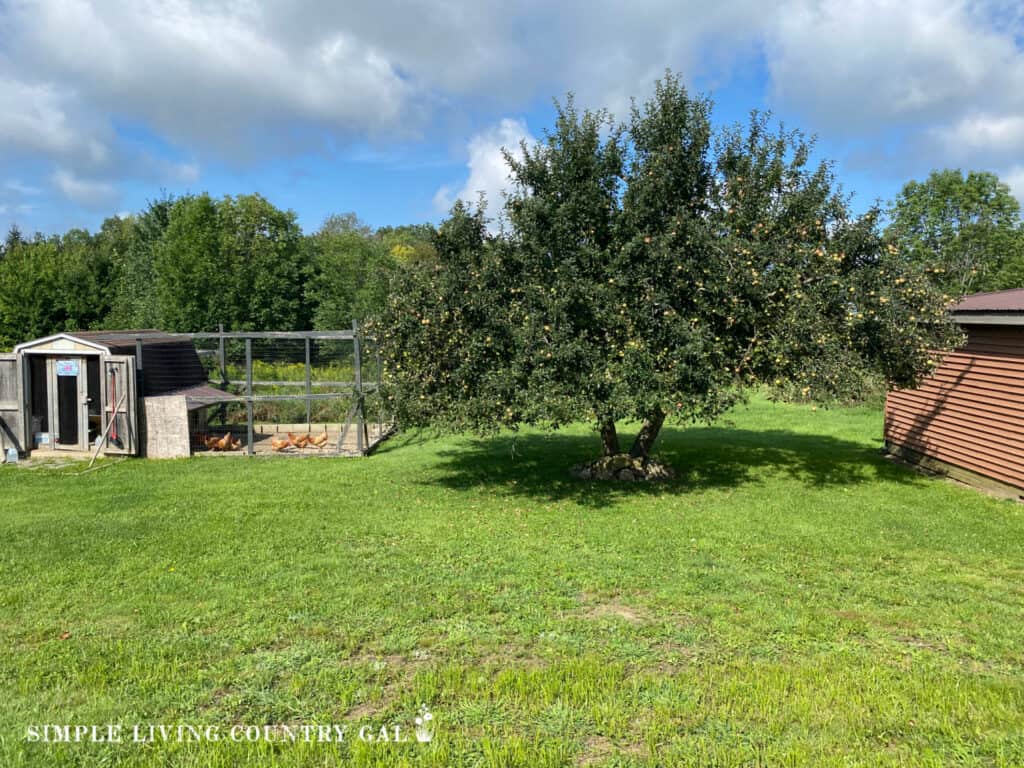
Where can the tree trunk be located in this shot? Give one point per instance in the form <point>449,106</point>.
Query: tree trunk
<point>609,438</point>
<point>647,435</point>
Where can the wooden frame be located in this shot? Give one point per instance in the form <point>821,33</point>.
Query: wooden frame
<point>357,389</point>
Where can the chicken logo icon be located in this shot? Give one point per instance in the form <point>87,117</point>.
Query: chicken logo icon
<point>424,725</point>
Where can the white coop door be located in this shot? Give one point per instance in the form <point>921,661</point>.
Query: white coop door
<point>117,393</point>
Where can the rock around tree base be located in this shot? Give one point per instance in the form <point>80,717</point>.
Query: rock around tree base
<point>623,467</point>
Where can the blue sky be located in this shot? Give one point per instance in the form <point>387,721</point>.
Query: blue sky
<point>392,109</point>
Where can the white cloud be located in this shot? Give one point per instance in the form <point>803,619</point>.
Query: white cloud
<point>243,83</point>
<point>228,76</point>
<point>195,70</point>
<point>86,192</point>
<point>1013,177</point>
<point>36,119</point>
<point>186,173</point>
<point>985,133</point>
<point>20,188</point>
<point>858,65</point>
<point>164,170</point>
<point>488,171</point>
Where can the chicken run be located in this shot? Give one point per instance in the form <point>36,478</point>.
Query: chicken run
<point>289,394</point>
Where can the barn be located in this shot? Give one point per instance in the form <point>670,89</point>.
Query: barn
<point>133,392</point>
<point>967,419</point>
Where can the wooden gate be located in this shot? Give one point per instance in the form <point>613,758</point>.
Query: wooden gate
<point>12,405</point>
<point>117,393</point>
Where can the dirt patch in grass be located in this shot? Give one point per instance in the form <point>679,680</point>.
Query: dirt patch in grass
<point>215,700</point>
<point>670,658</point>
<point>615,610</point>
<point>598,749</point>
<point>874,620</point>
<point>597,607</point>
<point>393,661</point>
<point>513,657</point>
<point>922,644</point>
<point>365,711</point>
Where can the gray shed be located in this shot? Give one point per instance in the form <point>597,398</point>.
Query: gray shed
<point>126,391</point>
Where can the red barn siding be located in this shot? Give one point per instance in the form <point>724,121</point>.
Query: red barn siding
<point>970,412</point>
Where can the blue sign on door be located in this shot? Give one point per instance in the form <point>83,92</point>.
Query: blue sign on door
<point>67,367</point>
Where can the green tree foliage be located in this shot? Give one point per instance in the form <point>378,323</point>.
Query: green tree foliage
<point>654,270</point>
<point>30,291</point>
<point>191,263</point>
<point>410,243</point>
<point>190,278</point>
<point>237,261</point>
<point>131,242</point>
<point>52,284</point>
<point>964,228</point>
<point>86,272</point>
<point>264,264</point>
<point>351,267</point>
<point>11,241</point>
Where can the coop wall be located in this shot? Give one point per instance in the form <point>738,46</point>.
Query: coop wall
<point>165,428</point>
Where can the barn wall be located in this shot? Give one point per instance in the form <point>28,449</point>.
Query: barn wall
<point>970,412</point>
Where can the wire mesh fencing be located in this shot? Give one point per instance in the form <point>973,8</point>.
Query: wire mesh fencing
<point>294,393</point>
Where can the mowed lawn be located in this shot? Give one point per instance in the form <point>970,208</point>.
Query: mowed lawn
<point>793,599</point>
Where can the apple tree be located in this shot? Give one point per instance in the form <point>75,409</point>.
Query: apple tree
<point>653,271</point>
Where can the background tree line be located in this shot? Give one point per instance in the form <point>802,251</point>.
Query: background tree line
<point>193,262</point>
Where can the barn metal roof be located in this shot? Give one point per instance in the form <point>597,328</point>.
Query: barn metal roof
<point>994,301</point>
<point>993,308</point>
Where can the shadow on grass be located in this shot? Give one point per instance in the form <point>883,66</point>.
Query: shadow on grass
<point>537,465</point>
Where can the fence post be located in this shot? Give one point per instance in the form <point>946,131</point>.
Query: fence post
<point>360,416</point>
<point>309,391</point>
<point>222,358</point>
<point>380,397</point>
<point>248,395</point>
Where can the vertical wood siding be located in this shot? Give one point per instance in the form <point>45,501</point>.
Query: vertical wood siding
<point>970,412</point>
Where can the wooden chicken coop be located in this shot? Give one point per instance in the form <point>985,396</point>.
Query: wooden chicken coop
<point>166,395</point>
<point>112,392</point>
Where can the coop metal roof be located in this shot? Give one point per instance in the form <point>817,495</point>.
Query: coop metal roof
<point>169,363</point>
<point>202,396</point>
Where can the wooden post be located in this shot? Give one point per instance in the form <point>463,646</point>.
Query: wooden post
<point>309,391</point>
<point>360,416</point>
<point>140,392</point>
<point>248,395</point>
<point>222,356</point>
<point>380,398</point>
<point>138,364</point>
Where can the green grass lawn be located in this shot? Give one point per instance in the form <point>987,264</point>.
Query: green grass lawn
<point>792,599</point>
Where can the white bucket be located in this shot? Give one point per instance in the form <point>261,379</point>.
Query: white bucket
<point>11,456</point>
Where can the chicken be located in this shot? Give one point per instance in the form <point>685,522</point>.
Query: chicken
<point>236,444</point>
<point>302,442</point>
<point>224,443</point>
<point>279,444</point>
<point>292,439</point>
<point>320,440</point>
<point>211,443</point>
